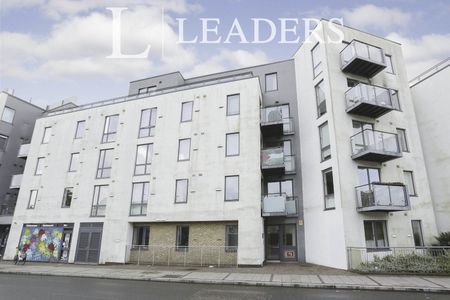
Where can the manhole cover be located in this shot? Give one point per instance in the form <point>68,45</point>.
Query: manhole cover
<point>172,276</point>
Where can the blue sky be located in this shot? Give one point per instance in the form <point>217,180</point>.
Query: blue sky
<point>55,49</point>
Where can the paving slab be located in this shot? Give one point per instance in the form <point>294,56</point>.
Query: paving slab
<point>288,278</point>
<point>206,276</point>
<point>403,281</point>
<point>249,277</point>
<point>348,280</point>
<point>442,281</point>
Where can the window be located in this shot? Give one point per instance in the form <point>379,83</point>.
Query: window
<point>3,142</point>
<point>409,182</point>
<point>79,132</point>
<point>231,238</point>
<point>401,133</point>
<point>143,159</point>
<point>99,200</point>
<point>317,64</point>
<point>417,233</point>
<point>376,234</point>
<point>182,242</point>
<point>110,129</point>
<point>359,126</point>
<point>389,65</point>
<point>325,148</point>
<point>328,188</point>
<point>139,199</point>
<point>8,115</point>
<point>232,144</point>
<point>141,235</point>
<point>320,98</point>
<point>39,166</point>
<point>146,89</point>
<point>67,198</point>
<point>186,111</point>
<point>148,122</point>
<point>271,82</point>
<point>32,200</point>
<point>105,163</point>
<point>74,159</point>
<point>368,175</point>
<point>181,190</point>
<point>395,99</point>
<point>47,135</point>
<point>233,104</point>
<point>184,149</point>
<point>231,188</point>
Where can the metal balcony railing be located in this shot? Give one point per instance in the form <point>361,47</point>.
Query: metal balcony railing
<point>378,196</point>
<point>274,121</point>
<point>275,159</point>
<point>362,59</point>
<point>16,181</point>
<point>373,145</point>
<point>279,204</point>
<point>368,100</point>
<point>24,150</point>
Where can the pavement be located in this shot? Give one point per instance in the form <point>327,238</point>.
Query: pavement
<point>273,275</point>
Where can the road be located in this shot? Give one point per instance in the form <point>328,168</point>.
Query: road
<point>30,287</point>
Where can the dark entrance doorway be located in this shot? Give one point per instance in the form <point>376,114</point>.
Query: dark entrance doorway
<point>281,242</point>
<point>89,243</point>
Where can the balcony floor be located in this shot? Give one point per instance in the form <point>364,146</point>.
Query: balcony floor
<point>362,67</point>
<point>382,208</point>
<point>369,110</point>
<point>272,129</point>
<point>376,156</point>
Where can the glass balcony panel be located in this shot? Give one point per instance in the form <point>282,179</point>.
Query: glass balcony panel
<point>374,140</point>
<point>289,163</point>
<point>291,206</point>
<point>272,115</point>
<point>398,196</point>
<point>272,158</point>
<point>381,195</point>
<point>274,204</point>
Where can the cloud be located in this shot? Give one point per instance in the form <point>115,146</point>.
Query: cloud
<point>424,52</point>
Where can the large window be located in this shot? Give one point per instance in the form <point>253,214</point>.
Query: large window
<point>141,235</point>
<point>376,234</point>
<point>231,238</point>
<point>232,144</point>
<point>359,126</point>
<point>389,65</point>
<point>231,188</point>
<point>181,190</point>
<point>67,197</point>
<point>409,182</point>
<point>143,159</point>
<point>271,82</point>
<point>39,166</point>
<point>325,148</point>
<point>148,122</point>
<point>47,135</point>
<point>99,200</point>
<point>328,188</point>
<point>139,199</point>
<point>32,200</point>
<point>79,131</point>
<point>320,99</point>
<point>8,115</point>
<point>74,160</point>
<point>110,129</point>
<point>417,233</point>
<point>233,104</point>
<point>284,187</point>
<point>316,62</point>
<point>401,133</point>
<point>182,242</point>
<point>3,142</point>
<point>105,163</point>
<point>184,149</point>
<point>186,111</point>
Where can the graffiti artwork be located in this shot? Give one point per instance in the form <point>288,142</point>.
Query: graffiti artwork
<point>41,243</point>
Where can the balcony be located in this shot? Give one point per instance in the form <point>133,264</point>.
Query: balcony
<point>384,197</point>
<point>275,123</point>
<point>16,181</point>
<point>273,161</point>
<point>274,205</point>
<point>362,59</point>
<point>375,146</point>
<point>23,150</point>
<point>368,100</point>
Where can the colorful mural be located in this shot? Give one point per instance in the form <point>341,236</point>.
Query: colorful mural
<point>41,243</point>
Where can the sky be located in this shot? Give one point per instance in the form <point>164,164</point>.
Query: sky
<point>52,50</point>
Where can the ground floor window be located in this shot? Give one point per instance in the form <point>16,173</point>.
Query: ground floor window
<point>141,235</point>
<point>417,233</point>
<point>231,238</point>
<point>182,242</point>
<point>376,234</point>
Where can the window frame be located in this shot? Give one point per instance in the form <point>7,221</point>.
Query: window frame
<point>144,202</point>
<point>106,127</point>
<point>276,81</point>
<point>39,160</point>
<point>6,142</point>
<point>47,135</point>
<point>32,204</point>
<point>71,169</point>
<point>148,126</point>
<point>322,147</point>
<point>385,234</point>
<point>412,182</point>
<point>239,105</point>
<point>96,201</point>
<point>6,108</point>
<point>315,66</point>
<point>147,165</point>
<point>389,63</point>
<point>187,190</point>
<point>145,236</point>
<point>321,82</point>
<point>231,248</point>
<point>405,139</point>
<point>225,188</point>
<point>422,242</point>
<point>77,137</point>
<point>238,144</point>
<point>178,239</point>
<point>191,115</point>
<point>189,149</point>
<point>64,203</point>
<point>325,191</point>
<point>101,161</point>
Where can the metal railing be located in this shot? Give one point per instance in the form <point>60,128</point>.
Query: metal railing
<point>427,259</point>
<point>374,140</point>
<point>362,50</point>
<point>434,69</point>
<point>279,204</point>
<point>274,115</point>
<point>378,194</point>
<point>220,256</point>
<point>368,94</point>
<point>275,158</point>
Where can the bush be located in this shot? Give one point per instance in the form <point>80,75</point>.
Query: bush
<point>409,263</point>
<point>444,238</point>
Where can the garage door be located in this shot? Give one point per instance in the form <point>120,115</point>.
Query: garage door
<point>89,243</point>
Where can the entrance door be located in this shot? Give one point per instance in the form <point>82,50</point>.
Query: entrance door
<point>65,245</point>
<point>273,245</point>
<point>89,243</point>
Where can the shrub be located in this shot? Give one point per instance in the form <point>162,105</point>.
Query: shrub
<point>444,238</point>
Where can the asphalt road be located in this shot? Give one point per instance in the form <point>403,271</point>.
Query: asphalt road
<point>30,287</point>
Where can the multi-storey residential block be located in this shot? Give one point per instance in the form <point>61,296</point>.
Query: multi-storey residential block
<point>17,119</point>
